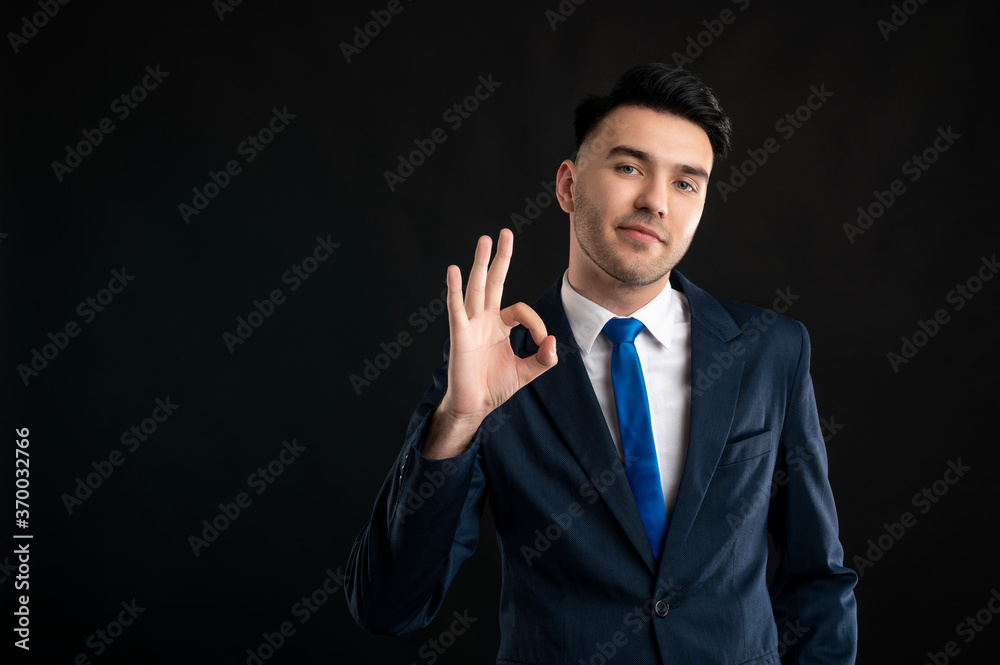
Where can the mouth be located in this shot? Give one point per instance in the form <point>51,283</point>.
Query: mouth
<point>641,233</point>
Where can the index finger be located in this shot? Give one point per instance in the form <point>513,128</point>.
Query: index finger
<point>522,313</point>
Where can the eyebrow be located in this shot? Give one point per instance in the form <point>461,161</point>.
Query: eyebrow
<point>644,156</point>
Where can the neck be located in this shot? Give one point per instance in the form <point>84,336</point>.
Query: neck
<point>599,287</point>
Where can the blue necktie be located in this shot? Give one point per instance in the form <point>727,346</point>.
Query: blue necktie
<point>632,405</point>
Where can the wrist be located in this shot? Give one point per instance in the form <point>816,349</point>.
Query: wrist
<point>448,435</point>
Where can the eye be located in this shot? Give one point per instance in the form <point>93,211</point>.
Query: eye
<point>634,170</point>
<point>687,187</point>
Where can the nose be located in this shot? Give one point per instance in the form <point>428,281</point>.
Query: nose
<point>654,197</point>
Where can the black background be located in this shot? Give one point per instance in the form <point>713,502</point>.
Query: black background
<point>323,176</point>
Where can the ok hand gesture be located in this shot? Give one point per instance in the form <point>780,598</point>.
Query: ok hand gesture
<point>483,370</point>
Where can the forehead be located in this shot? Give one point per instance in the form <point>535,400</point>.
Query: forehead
<point>666,137</point>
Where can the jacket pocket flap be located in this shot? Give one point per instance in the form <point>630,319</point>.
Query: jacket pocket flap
<point>746,448</point>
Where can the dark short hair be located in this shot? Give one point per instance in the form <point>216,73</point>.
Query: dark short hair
<point>661,88</point>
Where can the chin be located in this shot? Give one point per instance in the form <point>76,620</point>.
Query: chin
<point>638,278</point>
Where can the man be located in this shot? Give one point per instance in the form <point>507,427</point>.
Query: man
<point>632,508</point>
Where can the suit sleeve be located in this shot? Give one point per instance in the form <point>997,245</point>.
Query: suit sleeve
<point>812,592</point>
<point>425,523</point>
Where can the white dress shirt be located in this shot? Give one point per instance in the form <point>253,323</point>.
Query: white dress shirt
<point>664,349</point>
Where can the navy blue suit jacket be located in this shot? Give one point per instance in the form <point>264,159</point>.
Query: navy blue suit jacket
<point>579,577</point>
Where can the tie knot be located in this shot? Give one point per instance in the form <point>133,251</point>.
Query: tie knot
<point>623,330</point>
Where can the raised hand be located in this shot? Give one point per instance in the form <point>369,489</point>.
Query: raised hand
<point>483,370</point>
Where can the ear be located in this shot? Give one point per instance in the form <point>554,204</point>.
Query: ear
<point>565,185</point>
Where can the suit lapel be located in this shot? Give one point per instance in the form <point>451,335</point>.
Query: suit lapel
<point>714,391</point>
<point>568,395</point>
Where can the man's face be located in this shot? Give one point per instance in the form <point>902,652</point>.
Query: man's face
<point>636,196</point>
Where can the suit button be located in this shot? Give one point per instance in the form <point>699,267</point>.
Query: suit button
<point>661,608</point>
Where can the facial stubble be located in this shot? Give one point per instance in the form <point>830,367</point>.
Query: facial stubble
<point>636,271</point>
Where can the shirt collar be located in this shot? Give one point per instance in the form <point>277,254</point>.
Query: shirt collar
<point>587,318</point>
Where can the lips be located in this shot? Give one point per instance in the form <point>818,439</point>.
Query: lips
<point>641,233</point>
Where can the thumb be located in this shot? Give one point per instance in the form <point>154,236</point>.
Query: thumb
<point>530,368</point>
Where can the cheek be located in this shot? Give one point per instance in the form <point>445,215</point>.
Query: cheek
<point>598,210</point>
<point>694,209</point>
<point>612,196</point>
<point>691,212</point>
